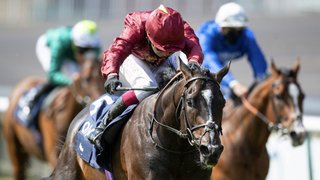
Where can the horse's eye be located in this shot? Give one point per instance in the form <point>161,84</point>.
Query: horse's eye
<point>85,80</point>
<point>189,102</point>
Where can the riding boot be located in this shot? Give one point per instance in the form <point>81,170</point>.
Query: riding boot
<point>44,89</point>
<point>95,136</point>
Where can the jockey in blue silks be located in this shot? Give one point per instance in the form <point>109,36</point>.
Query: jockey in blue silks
<point>228,38</point>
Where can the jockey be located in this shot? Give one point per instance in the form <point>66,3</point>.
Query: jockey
<point>141,53</point>
<point>61,50</point>
<point>228,38</point>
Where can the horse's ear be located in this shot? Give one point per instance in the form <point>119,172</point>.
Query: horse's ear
<point>296,68</point>
<point>184,68</point>
<point>273,67</point>
<point>222,72</point>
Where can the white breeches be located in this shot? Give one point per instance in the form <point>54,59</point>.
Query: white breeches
<point>139,73</point>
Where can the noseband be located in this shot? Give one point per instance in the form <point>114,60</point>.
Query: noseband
<point>210,126</point>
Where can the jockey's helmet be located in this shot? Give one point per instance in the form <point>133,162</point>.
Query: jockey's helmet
<point>85,34</point>
<point>231,15</point>
<point>165,29</point>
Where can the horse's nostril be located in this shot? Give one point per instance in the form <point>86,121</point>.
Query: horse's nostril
<point>204,150</point>
<point>218,149</point>
<point>221,148</point>
<point>293,135</point>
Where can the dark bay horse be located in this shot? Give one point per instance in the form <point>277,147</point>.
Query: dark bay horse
<point>53,122</point>
<point>171,135</point>
<point>274,104</point>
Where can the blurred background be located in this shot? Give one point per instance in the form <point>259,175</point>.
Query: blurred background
<point>285,30</point>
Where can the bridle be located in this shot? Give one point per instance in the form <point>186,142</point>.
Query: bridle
<point>81,99</point>
<point>210,126</point>
<point>277,126</point>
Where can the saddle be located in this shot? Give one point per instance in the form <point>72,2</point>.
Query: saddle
<point>30,120</point>
<point>88,152</point>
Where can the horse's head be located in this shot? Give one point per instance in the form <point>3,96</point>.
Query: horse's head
<point>286,98</point>
<point>202,103</point>
<point>88,84</point>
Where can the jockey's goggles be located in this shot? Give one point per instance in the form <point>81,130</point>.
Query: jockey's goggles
<point>235,30</point>
<point>81,50</point>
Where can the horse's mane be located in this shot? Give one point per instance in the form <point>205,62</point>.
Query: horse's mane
<point>237,100</point>
<point>170,72</point>
<point>167,75</point>
<point>285,71</point>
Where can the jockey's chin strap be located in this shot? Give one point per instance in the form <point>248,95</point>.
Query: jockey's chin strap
<point>271,125</point>
<point>209,126</point>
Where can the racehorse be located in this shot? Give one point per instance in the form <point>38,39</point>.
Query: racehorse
<point>274,104</point>
<point>171,135</point>
<point>53,121</point>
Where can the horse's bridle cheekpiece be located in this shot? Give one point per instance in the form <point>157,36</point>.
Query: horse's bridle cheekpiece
<point>209,125</point>
<point>277,126</point>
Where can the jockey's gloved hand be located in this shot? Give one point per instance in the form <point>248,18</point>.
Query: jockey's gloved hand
<point>194,66</point>
<point>111,84</point>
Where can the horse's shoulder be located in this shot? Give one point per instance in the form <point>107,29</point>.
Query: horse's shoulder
<point>145,107</point>
<point>149,101</point>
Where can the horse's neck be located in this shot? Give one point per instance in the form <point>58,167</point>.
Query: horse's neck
<point>77,95</point>
<point>255,129</point>
<point>170,102</point>
<point>168,112</point>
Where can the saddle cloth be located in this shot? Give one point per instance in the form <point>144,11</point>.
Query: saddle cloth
<point>29,120</point>
<point>100,160</point>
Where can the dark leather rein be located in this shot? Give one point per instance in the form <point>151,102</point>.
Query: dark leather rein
<point>209,125</point>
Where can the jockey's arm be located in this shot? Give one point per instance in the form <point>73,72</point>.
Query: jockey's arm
<point>55,76</point>
<point>192,48</point>
<point>256,59</point>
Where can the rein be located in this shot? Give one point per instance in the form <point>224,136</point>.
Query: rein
<point>271,126</point>
<point>83,100</point>
<point>209,125</point>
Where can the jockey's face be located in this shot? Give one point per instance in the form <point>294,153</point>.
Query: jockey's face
<point>160,53</point>
<point>231,34</point>
<point>82,54</point>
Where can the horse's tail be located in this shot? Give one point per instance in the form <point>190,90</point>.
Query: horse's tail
<point>50,177</point>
